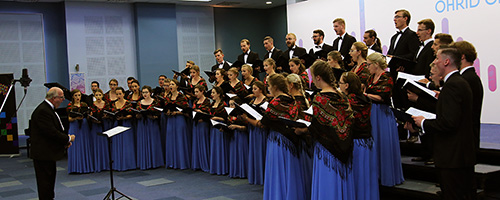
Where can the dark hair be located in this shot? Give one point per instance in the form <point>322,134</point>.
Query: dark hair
<point>219,91</point>
<point>201,88</point>
<point>176,82</point>
<point>120,88</point>
<point>222,72</point>
<point>467,49</point>
<point>237,100</point>
<point>296,61</point>
<point>405,14</point>
<point>269,38</point>
<point>261,86</point>
<point>130,78</point>
<point>217,51</point>
<point>372,33</point>
<point>454,55</point>
<point>354,83</point>
<point>114,80</point>
<point>95,83</point>
<point>99,90</point>
<point>336,55</point>
<point>147,88</point>
<point>278,81</point>
<point>320,68</point>
<point>320,32</point>
<point>162,76</point>
<point>135,81</point>
<point>444,38</point>
<point>428,23</point>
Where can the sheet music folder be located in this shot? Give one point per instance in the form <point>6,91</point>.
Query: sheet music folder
<point>115,131</point>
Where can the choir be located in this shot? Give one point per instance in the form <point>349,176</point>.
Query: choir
<point>321,131</point>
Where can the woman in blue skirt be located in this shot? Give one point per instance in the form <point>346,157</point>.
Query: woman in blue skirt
<point>331,129</point>
<point>238,144</point>
<point>201,133</point>
<point>178,138</point>
<point>123,144</point>
<point>101,150</point>
<point>364,159</point>
<point>384,127</point>
<point>283,177</point>
<point>219,140</point>
<point>149,149</point>
<point>80,155</point>
<point>257,139</point>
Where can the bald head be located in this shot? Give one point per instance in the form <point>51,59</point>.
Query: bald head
<point>55,95</point>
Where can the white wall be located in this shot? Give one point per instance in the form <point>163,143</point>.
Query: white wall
<point>470,20</point>
<point>101,40</point>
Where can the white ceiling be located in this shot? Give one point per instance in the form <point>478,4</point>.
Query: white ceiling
<point>259,4</point>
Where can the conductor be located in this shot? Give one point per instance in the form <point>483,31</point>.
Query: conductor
<point>48,142</point>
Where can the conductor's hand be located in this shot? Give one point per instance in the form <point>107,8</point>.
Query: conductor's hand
<point>72,138</point>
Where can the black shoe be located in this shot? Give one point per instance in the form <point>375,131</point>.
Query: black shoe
<point>412,139</point>
<point>418,159</point>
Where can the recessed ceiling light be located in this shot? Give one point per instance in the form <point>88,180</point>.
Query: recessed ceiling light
<point>269,2</point>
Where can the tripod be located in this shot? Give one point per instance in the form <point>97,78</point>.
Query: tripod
<point>112,191</point>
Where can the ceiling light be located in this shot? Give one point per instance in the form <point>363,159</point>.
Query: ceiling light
<point>269,2</point>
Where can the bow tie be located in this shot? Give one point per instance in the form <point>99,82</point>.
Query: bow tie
<point>399,32</point>
<point>340,38</point>
<point>421,43</point>
<point>317,46</point>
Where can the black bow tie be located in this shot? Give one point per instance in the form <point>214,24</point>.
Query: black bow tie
<point>317,46</point>
<point>399,32</point>
<point>421,43</point>
<point>340,38</point>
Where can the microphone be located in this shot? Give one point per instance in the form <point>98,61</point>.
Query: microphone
<point>25,80</point>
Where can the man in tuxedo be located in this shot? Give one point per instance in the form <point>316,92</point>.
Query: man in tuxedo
<point>454,149</point>
<point>372,41</point>
<point>272,52</point>
<point>48,142</point>
<point>425,54</point>
<point>319,44</point>
<point>293,51</point>
<point>159,89</point>
<point>404,43</point>
<point>469,55</point>
<point>441,39</point>
<point>343,42</point>
<point>221,63</point>
<point>129,84</point>
<point>249,57</point>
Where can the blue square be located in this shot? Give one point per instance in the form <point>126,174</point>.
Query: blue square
<point>13,120</point>
<point>2,115</point>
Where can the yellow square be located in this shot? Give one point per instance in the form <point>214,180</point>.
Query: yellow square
<point>10,138</point>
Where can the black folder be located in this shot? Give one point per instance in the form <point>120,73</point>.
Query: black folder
<point>203,116</point>
<point>186,72</point>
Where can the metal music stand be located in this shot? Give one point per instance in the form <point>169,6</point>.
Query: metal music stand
<point>110,133</point>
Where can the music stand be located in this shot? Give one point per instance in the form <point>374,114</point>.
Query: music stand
<point>110,133</point>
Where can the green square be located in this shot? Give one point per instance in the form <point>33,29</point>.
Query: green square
<point>4,131</point>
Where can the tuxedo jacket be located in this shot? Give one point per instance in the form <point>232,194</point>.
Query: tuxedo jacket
<point>452,129</point>
<point>275,56</point>
<point>226,66</point>
<point>376,48</point>
<point>253,57</point>
<point>285,57</point>
<point>327,48</point>
<point>344,49</point>
<point>407,45</point>
<point>424,59</point>
<point>477,100</point>
<point>48,140</point>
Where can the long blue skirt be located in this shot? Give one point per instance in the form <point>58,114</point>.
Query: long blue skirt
<point>385,136</point>
<point>238,154</point>
<point>123,148</point>
<point>201,146</point>
<point>283,175</point>
<point>219,152</point>
<point>306,162</point>
<point>327,181</point>
<point>149,150</point>
<point>80,154</point>
<point>257,142</point>
<point>364,162</point>
<point>101,150</point>
<point>178,143</point>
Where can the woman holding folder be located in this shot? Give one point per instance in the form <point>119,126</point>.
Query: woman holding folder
<point>201,132</point>
<point>80,155</point>
<point>101,151</point>
<point>283,171</point>
<point>178,136</point>
<point>385,133</point>
<point>219,140</point>
<point>123,145</point>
